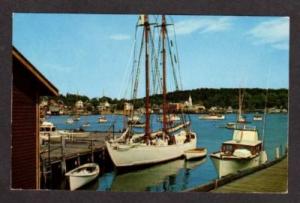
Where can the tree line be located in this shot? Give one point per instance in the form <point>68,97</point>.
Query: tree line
<point>254,98</point>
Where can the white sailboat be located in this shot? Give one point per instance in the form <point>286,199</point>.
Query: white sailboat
<point>240,118</point>
<point>152,147</point>
<point>244,151</point>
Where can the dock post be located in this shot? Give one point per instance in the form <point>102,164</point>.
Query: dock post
<point>277,153</point>
<point>78,159</point>
<point>92,151</point>
<point>63,160</point>
<point>113,130</point>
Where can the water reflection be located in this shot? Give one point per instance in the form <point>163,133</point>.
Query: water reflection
<point>159,177</point>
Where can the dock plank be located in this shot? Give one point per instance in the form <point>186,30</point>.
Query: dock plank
<point>269,180</point>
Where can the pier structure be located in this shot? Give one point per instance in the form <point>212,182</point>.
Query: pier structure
<point>56,158</point>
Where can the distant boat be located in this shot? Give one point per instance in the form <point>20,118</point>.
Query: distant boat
<point>244,151</point>
<point>102,119</point>
<point>82,175</point>
<point>133,119</point>
<point>70,121</point>
<point>231,125</point>
<point>212,117</point>
<point>135,122</point>
<point>240,117</point>
<point>197,153</point>
<point>76,118</point>
<point>257,117</point>
<point>48,130</point>
<point>85,125</point>
<point>170,118</point>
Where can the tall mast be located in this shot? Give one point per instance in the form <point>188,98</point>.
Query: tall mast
<point>147,106</point>
<point>163,33</point>
<point>240,104</point>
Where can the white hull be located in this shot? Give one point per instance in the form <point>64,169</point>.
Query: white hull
<point>228,166</point>
<point>257,118</point>
<point>77,180</point>
<point>207,117</point>
<point>142,154</point>
<point>195,154</point>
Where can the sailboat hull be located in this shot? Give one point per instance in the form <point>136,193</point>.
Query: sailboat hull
<point>141,155</point>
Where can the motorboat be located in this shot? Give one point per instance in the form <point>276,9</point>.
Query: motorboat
<point>244,151</point>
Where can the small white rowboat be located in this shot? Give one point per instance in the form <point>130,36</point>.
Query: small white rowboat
<point>82,175</point>
<point>197,153</point>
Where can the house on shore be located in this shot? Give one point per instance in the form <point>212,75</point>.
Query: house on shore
<point>28,85</point>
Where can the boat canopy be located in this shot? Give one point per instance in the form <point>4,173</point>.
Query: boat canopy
<point>245,136</point>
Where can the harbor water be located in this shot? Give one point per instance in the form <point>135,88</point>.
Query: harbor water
<point>179,175</point>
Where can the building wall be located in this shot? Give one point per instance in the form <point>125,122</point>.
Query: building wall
<point>24,130</point>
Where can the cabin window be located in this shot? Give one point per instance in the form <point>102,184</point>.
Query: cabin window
<point>227,149</point>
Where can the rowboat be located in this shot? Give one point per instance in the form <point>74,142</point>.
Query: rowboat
<point>197,153</point>
<point>82,175</point>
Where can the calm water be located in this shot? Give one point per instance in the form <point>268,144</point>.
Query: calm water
<point>179,175</point>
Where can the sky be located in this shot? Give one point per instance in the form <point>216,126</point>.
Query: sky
<point>92,54</point>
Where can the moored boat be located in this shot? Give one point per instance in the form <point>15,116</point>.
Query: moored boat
<point>257,117</point>
<point>212,117</point>
<point>70,121</point>
<point>197,153</point>
<point>102,119</point>
<point>48,130</point>
<point>82,175</point>
<point>244,151</point>
<point>152,147</point>
<point>170,118</point>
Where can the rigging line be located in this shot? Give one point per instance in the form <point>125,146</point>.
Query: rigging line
<point>126,72</point>
<point>153,56</point>
<point>265,110</point>
<point>177,53</point>
<point>156,67</point>
<point>134,62</point>
<point>172,63</point>
<point>136,81</point>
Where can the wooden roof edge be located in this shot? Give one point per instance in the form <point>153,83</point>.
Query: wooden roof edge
<point>37,74</point>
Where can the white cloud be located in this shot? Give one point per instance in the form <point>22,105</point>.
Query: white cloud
<point>272,32</point>
<point>203,25</point>
<point>119,37</point>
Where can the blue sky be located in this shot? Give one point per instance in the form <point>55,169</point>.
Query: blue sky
<point>92,54</point>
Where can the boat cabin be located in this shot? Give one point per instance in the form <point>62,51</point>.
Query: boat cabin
<point>243,139</point>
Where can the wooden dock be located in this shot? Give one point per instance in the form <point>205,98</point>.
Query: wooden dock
<point>269,177</point>
<point>58,157</point>
<point>272,179</point>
